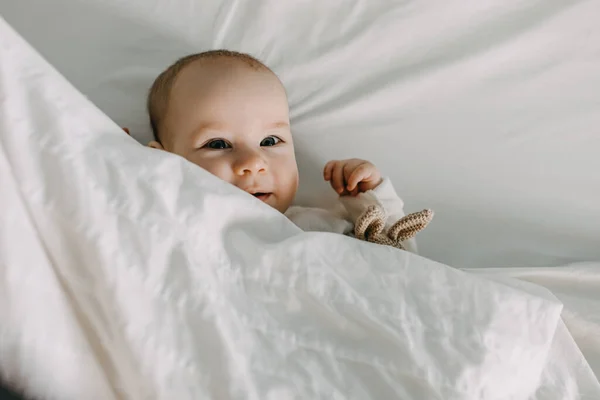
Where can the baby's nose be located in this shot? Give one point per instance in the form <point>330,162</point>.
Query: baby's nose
<point>250,163</point>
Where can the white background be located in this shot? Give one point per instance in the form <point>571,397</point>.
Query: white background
<point>487,112</point>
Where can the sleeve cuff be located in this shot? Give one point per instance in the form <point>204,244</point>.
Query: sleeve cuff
<point>385,191</point>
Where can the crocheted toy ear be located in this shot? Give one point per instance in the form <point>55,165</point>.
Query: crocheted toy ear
<point>370,227</point>
<point>407,227</point>
<point>370,224</point>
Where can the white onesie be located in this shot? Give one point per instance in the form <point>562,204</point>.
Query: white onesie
<point>341,219</point>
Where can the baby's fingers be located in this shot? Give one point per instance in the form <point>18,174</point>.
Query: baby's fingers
<point>360,173</point>
<point>337,178</point>
<point>327,171</point>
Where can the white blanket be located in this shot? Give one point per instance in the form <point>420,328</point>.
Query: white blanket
<point>577,286</point>
<point>130,273</point>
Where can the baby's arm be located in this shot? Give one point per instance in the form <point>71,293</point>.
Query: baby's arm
<point>360,185</point>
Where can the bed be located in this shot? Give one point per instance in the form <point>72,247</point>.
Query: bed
<point>488,113</point>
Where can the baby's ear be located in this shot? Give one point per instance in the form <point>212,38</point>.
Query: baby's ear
<point>155,145</point>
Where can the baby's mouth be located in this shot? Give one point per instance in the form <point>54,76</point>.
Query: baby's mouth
<point>263,196</point>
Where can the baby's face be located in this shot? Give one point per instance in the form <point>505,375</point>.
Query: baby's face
<point>233,121</point>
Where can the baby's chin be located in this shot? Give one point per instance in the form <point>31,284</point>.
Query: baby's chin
<point>269,199</point>
<point>274,202</point>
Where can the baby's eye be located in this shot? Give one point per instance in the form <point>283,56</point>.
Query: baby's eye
<point>270,141</point>
<point>217,144</point>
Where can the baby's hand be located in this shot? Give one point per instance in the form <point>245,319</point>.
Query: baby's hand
<point>351,177</point>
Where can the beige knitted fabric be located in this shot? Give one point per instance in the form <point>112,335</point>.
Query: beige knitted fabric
<point>370,227</point>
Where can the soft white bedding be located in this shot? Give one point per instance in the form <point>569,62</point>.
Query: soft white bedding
<point>129,273</point>
<point>577,286</point>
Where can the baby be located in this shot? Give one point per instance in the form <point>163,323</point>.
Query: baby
<point>228,113</point>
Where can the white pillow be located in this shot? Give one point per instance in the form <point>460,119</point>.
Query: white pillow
<point>486,112</point>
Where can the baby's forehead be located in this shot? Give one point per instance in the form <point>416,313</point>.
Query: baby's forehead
<point>223,66</point>
<point>223,90</point>
<point>205,78</point>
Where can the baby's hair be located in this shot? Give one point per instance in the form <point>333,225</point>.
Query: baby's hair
<point>158,97</point>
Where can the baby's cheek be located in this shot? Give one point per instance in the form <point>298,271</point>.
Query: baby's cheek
<point>216,167</point>
<point>290,182</point>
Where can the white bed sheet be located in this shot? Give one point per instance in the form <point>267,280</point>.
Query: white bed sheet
<point>577,286</point>
<point>487,112</point>
<point>129,273</point>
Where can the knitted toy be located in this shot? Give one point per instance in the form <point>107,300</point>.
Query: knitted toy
<point>371,224</point>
